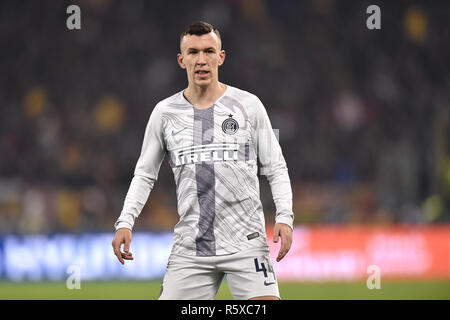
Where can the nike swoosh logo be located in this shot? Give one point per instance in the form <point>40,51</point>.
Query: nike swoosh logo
<point>268,283</point>
<point>175,133</point>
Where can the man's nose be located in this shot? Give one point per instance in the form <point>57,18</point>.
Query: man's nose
<point>201,58</point>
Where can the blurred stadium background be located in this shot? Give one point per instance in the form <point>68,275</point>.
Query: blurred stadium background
<point>364,126</point>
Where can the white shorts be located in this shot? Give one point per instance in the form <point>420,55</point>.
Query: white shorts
<point>249,274</point>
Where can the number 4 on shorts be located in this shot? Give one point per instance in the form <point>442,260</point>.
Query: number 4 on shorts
<point>263,267</point>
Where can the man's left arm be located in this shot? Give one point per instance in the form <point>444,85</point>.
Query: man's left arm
<point>273,166</point>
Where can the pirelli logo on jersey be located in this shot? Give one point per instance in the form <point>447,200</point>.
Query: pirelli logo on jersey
<point>206,153</point>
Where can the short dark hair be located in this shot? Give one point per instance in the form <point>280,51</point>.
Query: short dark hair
<point>199,28</point>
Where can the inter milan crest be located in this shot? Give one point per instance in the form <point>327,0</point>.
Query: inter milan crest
<point>230,126</point>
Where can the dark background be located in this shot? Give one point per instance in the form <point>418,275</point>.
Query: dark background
<point>363,114</point>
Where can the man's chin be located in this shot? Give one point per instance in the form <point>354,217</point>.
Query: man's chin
<point>202,82</point>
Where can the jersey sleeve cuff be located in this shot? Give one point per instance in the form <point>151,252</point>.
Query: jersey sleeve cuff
<point>285,220</point>
<point>123,224</point>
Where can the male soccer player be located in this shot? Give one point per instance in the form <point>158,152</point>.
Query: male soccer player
<point>213,135</point>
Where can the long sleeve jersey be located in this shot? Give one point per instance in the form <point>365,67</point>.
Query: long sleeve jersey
<point>214,155</point>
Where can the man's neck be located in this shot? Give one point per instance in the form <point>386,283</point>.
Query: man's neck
<point>204,97</point>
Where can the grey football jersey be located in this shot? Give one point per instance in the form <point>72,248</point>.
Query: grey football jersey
<point>213,153</point>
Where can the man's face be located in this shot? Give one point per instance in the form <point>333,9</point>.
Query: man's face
<point>201,56</point>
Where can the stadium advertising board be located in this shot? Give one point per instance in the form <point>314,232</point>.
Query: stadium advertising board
<point>327,253</point>
<point>322,253</point>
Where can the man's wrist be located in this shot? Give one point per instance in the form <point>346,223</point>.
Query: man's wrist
<point>286,221</point>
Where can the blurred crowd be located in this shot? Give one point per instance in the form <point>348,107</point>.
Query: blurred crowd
<point>363,115</point>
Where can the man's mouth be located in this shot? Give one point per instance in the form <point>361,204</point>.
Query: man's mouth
<point>202,73</point>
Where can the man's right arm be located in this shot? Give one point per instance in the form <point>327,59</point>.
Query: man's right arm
<point>145,176</point>
<point>146,171</point>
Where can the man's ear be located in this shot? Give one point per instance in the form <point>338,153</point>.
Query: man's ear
<point>180,61</point>
<point>222,57</point>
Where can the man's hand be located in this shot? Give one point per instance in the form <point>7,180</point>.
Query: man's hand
<point>285,232</point>
<point>123,235</point>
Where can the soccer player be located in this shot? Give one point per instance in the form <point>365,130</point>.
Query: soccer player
<point>213,134</point>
